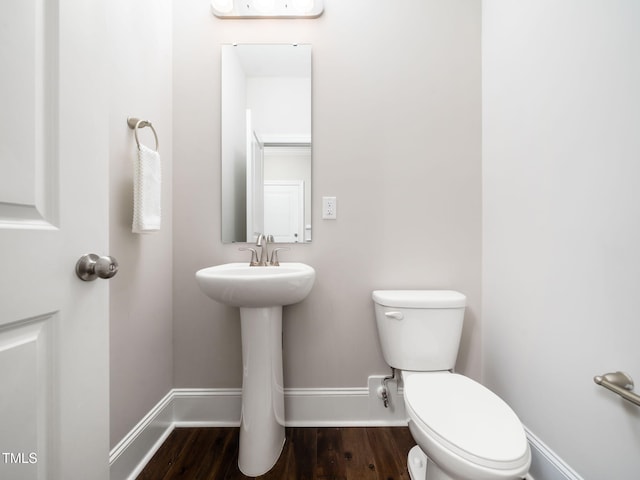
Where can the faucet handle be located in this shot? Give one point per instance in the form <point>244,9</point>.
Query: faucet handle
<point>254,255</point>
<point>274,256</point>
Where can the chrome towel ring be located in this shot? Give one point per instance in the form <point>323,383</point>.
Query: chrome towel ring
<point>135,123</point>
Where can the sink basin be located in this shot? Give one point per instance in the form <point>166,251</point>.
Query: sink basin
<point>261,293</point>
<point>239,285</point>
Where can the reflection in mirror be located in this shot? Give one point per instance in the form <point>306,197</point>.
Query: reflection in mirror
<point>266,142</point>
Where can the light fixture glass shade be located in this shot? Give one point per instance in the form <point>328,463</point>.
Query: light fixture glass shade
<point>303,6</point>
<point>223,6</point>
<point>264,6</point>
<point>267,8</point>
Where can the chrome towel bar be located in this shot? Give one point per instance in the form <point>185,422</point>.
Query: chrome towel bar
<point>135,123</point>
<point>620,383</point>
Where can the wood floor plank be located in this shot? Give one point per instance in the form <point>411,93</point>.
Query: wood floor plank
<point>330,462</point>
<point>166,456</point>
<point>177,469</point>
<point>304,447</point>
<point>221,448</point>
<point>204,455</point>
<point>390,463</point>
<point>404,441</point>
<point>374,453</point>
<point>359,459</point>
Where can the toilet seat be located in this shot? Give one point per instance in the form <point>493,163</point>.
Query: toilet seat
<point>466,418</point>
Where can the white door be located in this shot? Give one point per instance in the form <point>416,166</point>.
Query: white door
<point>255,182</point>
<point>53,208</point>
<point>284,210</point>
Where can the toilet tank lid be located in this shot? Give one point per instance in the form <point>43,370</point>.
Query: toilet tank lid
<point>419,298</point>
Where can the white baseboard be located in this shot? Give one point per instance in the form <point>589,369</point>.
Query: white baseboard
<point>348,407</point>
<point>545,464</point>
<point>207,407</point>
<point>204,407</point>
<point>131,454</point>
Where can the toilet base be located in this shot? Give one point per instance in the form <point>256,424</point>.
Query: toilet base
<point>421,468</point>
<point>417,464</point>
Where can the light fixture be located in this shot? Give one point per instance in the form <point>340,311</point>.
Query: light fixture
<point>303,5</point>
<point>267,8</point>
<point>264,6</point>
<point>222,6</point>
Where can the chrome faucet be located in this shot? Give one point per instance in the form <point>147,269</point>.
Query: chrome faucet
<point>263,243</point>
<point>266,258</point>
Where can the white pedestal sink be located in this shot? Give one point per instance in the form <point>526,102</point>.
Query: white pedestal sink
<point>260,293</point>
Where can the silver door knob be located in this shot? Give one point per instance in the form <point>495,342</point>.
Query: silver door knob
<point>91,266</point>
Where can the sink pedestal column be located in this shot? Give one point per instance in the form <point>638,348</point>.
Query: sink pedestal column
<point>262,420</point>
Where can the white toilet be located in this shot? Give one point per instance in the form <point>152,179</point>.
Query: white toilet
<point>463,430</point>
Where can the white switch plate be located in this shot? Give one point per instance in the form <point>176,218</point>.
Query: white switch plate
<point>329,208</point>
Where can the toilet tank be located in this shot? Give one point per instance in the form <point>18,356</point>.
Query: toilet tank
<point>419,330</point>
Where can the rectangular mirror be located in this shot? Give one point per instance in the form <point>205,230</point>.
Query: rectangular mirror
<point>266,142</point>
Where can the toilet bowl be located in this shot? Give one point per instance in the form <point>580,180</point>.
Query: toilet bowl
<point>468,431</point>
<point>463,430</point>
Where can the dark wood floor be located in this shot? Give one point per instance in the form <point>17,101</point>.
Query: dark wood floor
<point>372,453</point>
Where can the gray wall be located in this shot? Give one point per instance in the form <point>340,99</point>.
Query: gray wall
<point>561,222</point>
<point>141,293</point>
<point>397,132</point>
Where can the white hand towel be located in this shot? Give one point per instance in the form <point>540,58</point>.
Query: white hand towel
<point>146,191</point>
